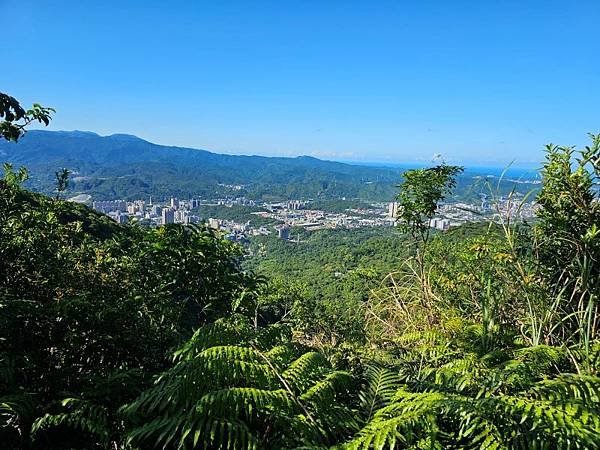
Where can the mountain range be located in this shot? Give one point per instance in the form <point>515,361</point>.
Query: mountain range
<point>126,166</point>
<point>122,166</point>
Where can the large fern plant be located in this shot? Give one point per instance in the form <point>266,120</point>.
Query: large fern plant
<point>486,402</point>
<point>242,396</point>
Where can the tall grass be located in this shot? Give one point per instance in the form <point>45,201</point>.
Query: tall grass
<point>515,296</point>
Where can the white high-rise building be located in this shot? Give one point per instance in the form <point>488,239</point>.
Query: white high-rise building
<point>168,216</point>
<point>393,210</point>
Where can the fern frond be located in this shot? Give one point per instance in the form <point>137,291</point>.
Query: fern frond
<point>559,413</point>
<point>430,337</point>
<point>282,355</point>
<point>381,384</point>
<point>213,368</point>
<point>245,402</point>
<point>324,392</point>
<point>194,432</point>
<point>84,416</point>
<point>222,333</point>
<point>569,388</point>
<point>238,397</point>
<point>305,371</point>
<point>526,420</point>
<point>16,413</point>
<point>393,432</point>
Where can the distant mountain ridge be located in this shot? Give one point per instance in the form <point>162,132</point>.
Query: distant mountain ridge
<point>117,149</point>
<point>126,166</point>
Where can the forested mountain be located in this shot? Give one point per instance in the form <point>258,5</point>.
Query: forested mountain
<point>124,166</point>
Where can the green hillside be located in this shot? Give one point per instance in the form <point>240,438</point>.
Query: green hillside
<point>127,167</point>
<point>123,166</point>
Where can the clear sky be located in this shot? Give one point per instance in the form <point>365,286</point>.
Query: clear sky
<point>477,81</point>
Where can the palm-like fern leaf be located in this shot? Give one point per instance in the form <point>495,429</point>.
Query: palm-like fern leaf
<point>234,397</point>
<point>381,384</point>
<point>561,413</point>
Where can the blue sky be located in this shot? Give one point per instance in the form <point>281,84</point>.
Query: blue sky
<point>478,82</point>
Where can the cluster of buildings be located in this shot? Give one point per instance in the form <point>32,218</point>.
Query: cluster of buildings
<point>243,201</point>
<point>238,232</point>
<point>152,214</point>
<point>503,209</point>
<point>297,213</point>
<point>292,213</point>
<point>178,211</point>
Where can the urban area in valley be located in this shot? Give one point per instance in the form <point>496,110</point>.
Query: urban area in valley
<point>281,217</point>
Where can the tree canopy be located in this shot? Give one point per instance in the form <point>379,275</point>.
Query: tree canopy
<point>16,119</point>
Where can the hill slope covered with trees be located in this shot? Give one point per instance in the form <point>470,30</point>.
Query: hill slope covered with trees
<point>127,167</point>
<point>124,166</point>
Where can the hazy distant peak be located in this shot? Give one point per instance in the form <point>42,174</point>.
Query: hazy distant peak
<point>124,137</point>
<point>87,134</point>
<point>74,133</point>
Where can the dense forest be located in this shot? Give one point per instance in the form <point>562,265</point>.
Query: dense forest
<point>123,337</point>
<point>331,271</point>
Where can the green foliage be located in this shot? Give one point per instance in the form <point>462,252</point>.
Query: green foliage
<point>420,193</point>
<point>442,420</point>
<point>12,178</point>
<point>487,340</point>
<point>62,181</point>
<point>382,383</point>
<point>281,301</point>
<point>568,236</point>
<point>83,300</point>
<point>242,396</point>
<point>15,119</point>
<point>332,273</point>
<point>570,213</point>
<point>462,400</point>
<point>457,322</point>
<point>91,419</point>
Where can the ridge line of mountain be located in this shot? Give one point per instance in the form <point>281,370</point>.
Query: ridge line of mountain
<point>122,166</point>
